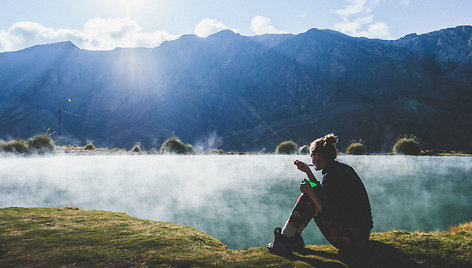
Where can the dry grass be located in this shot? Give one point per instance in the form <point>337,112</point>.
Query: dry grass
<point>70,236</point>
<point>465,227</point>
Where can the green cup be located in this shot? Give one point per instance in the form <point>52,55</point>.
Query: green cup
<point>313,184</point>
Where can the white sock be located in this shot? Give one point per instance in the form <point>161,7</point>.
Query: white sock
<point>289,230</point>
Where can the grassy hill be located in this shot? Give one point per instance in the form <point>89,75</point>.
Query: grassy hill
<point>46,237</point>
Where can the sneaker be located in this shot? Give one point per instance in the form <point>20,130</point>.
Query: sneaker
<point>283,244</point>
<point>297,242</point>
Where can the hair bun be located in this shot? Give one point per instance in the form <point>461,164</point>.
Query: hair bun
<point>330,139</point>
<point>326,146</point>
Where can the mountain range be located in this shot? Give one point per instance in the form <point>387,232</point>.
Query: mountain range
<point>246,93</point>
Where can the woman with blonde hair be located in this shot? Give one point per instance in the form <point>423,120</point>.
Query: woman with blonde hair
<point>339,204</point>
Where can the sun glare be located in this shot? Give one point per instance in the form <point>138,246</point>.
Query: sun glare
<point>133,7</point>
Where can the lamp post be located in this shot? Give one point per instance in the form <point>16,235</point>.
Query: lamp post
<point>66,101</point>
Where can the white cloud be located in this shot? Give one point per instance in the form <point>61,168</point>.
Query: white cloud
<point>208,27</point>
<point>363,23</point>
<point>364,26</point>
<point>263,25</point>
<point>353,27</point>
<point>26,33</point>
<point>378,30</point>
<point>353,7</point>
<point>121,32</point>
<point>97,34</point>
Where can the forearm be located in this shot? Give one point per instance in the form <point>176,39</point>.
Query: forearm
<point>311,176</point>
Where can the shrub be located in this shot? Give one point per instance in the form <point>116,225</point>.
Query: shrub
<point>176,146</point>
<point>356,148</point>
<point>407,145</point>
<point>89,146</point>
<point>41,143</point>
<point>15,146</point>
<point>287,147</point>
<point>136,149</point>
<point>217,151</point>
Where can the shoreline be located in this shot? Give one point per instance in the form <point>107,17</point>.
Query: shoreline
<point>71,236</point>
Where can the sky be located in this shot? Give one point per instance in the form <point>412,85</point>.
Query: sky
<point>107,24</point>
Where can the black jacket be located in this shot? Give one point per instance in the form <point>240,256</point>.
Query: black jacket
<point>345,199</point>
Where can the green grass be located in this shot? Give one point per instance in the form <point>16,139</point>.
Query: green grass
<point>174,145</point>
<point>356,148</point>
<point>286,147</point>
<point>51,237</point>
<point>407,145</point>
<point>136,149</point>
<point>15,146</point>
<point>89,147</point>
<point>41,143</point>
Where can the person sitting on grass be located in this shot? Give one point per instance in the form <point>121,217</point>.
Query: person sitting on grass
<point>339,204</point>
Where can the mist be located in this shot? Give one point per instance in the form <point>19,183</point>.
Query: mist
<point>238,199</point>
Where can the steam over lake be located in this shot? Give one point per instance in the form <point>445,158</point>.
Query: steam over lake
<point>237,199</point>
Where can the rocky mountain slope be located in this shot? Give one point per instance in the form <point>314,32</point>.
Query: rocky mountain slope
<point>247,93</point>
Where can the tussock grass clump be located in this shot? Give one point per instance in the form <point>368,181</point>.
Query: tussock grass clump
<point>136,149</point>
<point>217,151</point>
<point>15,146</point>
<point>41,143</point>
<point>174,145</point>
<point>356,148</point>
<point>407,145</point>
<point>89,146</point>
<point>287,147</point>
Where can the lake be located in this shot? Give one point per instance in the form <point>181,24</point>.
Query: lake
<point>238,199</point>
